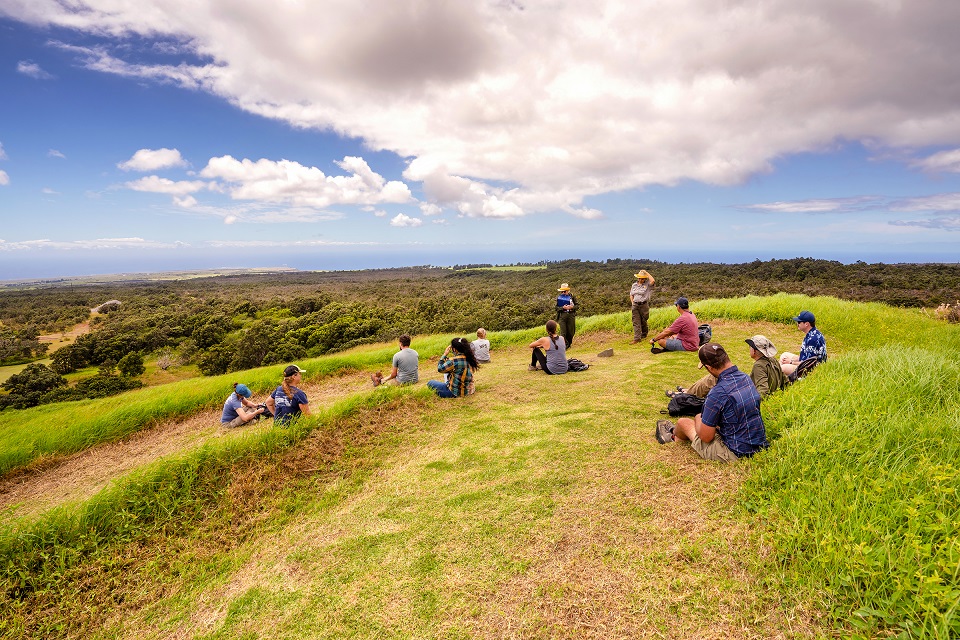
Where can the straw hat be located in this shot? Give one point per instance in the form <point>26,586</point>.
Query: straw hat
<point>643,274</point>
<point>564,287</point>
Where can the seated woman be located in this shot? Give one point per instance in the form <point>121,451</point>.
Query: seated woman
<point>554,361</point>
<point>234,413</point>
<point>288,401</point>
<point>459,363</point>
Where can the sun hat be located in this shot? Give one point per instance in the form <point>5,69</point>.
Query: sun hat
<point>712,355</point>
<point>762,344</point>
<point>564,287</point>
<point>643,273</point>
<point>292,370</point>
<point>683,303</point>
<point>242,390</point>
<point>805,316</point>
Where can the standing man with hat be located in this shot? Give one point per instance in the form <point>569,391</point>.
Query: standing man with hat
<point>682,335</point>
<point>814,344</point>
<point>640,293</point>
<point>566,313</point>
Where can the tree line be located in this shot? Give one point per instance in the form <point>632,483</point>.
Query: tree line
<point>236,322</point>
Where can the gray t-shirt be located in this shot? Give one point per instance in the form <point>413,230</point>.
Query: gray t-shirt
<point>406,361</point>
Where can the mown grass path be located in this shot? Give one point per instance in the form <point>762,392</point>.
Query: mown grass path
<point>539,507</point>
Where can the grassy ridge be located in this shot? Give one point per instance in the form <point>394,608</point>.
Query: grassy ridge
<point>858,493</point>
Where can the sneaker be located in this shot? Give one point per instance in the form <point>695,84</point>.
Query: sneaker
<point>656,349</point>
<point>664,431</point>
<point>531,367</point>
<point>669,393</point>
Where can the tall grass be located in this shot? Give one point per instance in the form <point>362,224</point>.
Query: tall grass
<point>68,427</point>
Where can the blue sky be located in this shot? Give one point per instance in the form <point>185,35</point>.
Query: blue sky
<point>145,136</point>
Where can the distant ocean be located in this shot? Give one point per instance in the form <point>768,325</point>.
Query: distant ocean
<point>46,265</point>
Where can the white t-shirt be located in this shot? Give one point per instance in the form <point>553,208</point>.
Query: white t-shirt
<point>481,349</point>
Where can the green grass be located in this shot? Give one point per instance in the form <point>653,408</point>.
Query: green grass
<point>539,507</point>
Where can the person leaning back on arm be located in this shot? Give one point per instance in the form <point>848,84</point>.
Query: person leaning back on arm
<point>682,335</point>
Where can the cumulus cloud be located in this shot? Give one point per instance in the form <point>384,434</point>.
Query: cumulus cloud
<point>153,160</point>
<point>402,220</point>
<point>4,178</point>
<point>33,70</point>
<point>524,108</point>
<point>288,182</point>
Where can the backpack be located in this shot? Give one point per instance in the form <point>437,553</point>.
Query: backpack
<point>576,365</point>
<point>803,369</point>
<point>705,332</point>
<point>684,404</point>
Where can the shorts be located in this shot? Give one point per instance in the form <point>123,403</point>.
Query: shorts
<point>673,344</point>
<point>713,450</point>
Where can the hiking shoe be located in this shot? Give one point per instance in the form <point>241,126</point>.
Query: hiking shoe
<point>376,379</point>
<point>656,349</point>
<point>664,431</point>
<point>669,393</point>
<point>531,367</point>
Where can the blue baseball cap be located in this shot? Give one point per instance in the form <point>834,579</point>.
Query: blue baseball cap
<point>683,303</point>
<point>242,390</point>
<point>805,316</point>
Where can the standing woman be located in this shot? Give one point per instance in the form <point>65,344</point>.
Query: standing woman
<point>288,401</point>
<point>567,313</point>
<point>554,361</point>
<point>459,363</point>
<point>640,294</point>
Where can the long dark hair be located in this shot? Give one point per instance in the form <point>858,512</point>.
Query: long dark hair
<point>552,332</point>
<point>461,346</point>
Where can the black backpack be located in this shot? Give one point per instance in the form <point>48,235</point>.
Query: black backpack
<point>576,365</point>
<point>706,333</point>
<point>683,404</point>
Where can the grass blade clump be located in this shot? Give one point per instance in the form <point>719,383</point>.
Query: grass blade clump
<point>861,489</point>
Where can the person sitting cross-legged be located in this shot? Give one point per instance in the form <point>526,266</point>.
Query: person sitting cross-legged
<point>730,426</point>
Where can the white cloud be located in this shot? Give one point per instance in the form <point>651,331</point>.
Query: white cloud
<point>519,109</point>
<point>153,160</point>
<point>3,154</point>
<point>4,178</point>
<point>401,220</point>
<point>948,161</point>
<point>50,192</point>
<point>53,153</point>
<point>33,70</point>
<point>96,244</point>
<point>287,182</point>
<point>823,205</point>
<point>938,202</point>
<point>945,223</point>
<point>156,184</point>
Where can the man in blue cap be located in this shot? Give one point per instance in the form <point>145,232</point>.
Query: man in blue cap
<point>814,345</point>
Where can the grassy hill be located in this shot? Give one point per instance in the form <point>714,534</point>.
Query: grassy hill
<point>539,507</point>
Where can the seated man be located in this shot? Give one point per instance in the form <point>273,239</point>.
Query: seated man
<point>684,328</point>
<point>406,364</point>
<point>814,345</point>
<point>766,373</point>
<point>730,426</point>
<point>481,346</point>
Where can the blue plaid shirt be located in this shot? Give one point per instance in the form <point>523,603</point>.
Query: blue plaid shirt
<point>733,408</point>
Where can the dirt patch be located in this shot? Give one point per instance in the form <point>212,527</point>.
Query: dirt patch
<point>59,340</point>
<point>63,479</point>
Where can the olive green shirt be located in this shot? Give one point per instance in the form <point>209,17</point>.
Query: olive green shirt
<point>767,376</point>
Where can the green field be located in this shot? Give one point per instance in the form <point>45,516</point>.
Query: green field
<point>540,507</point>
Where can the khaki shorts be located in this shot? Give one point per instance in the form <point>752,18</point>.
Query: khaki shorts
<point>713,450</point>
